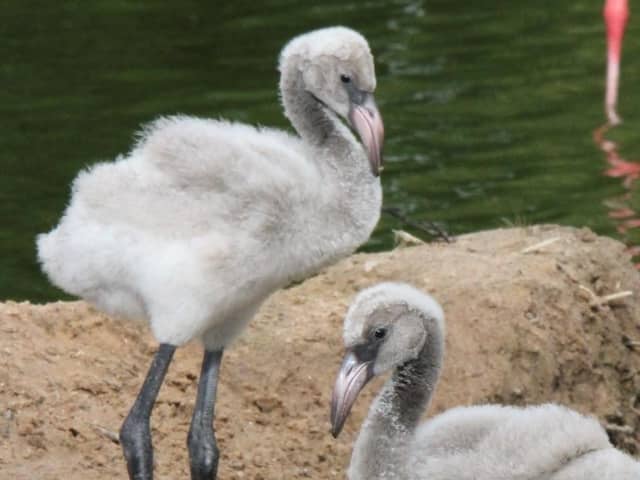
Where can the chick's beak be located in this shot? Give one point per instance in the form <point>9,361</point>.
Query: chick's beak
<point>352,377</point>
<point>365,118</point>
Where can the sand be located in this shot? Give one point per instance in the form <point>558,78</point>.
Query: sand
<point>525,325</point>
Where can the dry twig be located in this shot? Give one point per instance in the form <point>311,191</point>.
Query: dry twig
<point>405,239</point>
<point>430,228</point>
<point>597,300</point>
<point>540,245</point>
<point>619,428</point>
<point>110,434</point>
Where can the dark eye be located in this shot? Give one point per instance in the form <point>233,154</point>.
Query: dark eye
<point>345,78</point>
<point>379,332</point>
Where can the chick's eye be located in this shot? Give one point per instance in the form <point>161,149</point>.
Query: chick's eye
<point>380,332</point>
<point>345,78</point>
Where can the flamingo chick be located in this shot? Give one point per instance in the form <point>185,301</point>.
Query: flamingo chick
<point>395,327</point>
<point>204,219</point>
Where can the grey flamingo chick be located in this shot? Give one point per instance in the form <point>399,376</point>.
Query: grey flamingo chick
<point>394,327</point>
<point>204,219</point>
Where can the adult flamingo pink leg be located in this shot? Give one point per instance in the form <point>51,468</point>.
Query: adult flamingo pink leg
<point>616,14</point>
<point>621,210</point>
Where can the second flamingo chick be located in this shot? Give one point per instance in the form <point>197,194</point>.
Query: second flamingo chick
<point>395,327</point>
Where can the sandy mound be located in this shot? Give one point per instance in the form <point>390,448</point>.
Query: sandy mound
<point>523,327</point>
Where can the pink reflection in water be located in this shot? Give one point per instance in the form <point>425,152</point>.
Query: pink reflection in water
<point>628,171</point>
<point>621,209</point>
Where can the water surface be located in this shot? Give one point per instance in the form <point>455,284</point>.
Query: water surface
<point>489,106</point>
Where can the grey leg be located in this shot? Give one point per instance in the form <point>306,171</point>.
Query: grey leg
<point>203,451</point>
<point>135,434</point>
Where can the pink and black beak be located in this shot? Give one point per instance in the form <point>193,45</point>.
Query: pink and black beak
<point>354,374</point>
<point>365,118</point>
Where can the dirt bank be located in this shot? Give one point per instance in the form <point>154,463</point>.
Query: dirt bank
<point>524,326</point>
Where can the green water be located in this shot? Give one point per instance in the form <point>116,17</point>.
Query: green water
<point>489,106</point>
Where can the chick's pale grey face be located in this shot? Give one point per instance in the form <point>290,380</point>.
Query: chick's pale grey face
<point>332,81</point>
<point>346,87</point>
<point>377,341</point>
<point>397,332</point>
<point>404,335</point>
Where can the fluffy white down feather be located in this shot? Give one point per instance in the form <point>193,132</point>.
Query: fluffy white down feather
<point>204,219</point>
<point>544,442</point>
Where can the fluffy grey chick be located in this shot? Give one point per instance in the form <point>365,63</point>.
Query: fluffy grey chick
<point>394,327</point>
